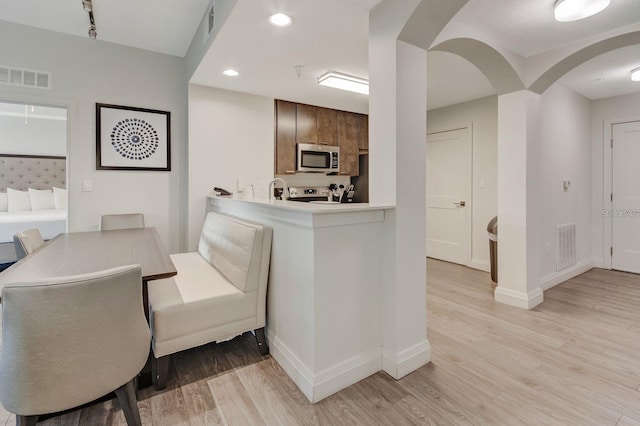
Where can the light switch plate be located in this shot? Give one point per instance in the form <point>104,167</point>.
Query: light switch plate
<point>87,186</point>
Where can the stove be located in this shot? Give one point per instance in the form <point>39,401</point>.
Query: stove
<point>308,193</point>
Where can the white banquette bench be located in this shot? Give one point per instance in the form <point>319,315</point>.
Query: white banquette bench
<point>219,292</point>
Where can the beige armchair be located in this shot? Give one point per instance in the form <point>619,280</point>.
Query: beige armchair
<point>68,341</point>
<point>110,222</point>
<point>27,241</point>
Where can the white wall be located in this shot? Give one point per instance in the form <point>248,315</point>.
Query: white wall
<point>88,71</point>
<point>40,136</point>
<point>483,115</point>
<point>565,154</point>
<point>603,112</point>
<point>231,140</point>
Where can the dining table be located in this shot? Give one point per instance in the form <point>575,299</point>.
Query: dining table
<point>84,252</point>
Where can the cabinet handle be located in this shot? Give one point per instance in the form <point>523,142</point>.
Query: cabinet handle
<point>323,143</point>
<point>344,173</point>
<point>290,172</point>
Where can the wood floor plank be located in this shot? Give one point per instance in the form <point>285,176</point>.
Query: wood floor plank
<point>570,361</point>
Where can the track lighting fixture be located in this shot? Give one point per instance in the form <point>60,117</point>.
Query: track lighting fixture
<point>87,5</point>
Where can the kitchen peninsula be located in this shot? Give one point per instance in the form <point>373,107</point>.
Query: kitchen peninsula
<point>324,302</point>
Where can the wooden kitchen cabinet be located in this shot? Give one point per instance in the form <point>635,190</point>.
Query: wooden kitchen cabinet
<point>306,123</point>
<point>301,123</point>
<point>285,134</point>
<point>348,143</point>
<point>327,120</point>
<point>363,132</point>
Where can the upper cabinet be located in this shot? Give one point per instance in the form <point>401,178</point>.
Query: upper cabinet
<point>285,138</point>
<point>348,142</point>
<point>301,123</point>
<point>363,132</point>
<point>306,123</point>
<point>316,125</point>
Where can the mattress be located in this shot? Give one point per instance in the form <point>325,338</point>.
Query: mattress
<point>49,222</point>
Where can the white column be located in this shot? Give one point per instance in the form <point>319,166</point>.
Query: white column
<point>397,146</point>
<point>518,200</point>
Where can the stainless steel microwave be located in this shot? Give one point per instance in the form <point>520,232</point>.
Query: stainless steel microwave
<point>318,158</point>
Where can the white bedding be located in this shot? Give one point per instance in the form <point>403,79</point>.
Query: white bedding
<point>49,222</point>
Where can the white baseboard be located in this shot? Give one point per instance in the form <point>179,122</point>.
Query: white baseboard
<point>480,264</point>
<point>345,374</point>
<point>598,262</point>
<point>329,381</point>
<point>518,299</point>
<point>555,278</point>
<point>407,360</point>
<point>292,365</point>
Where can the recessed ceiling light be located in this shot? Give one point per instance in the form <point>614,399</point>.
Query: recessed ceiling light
<point>280,20</point>
<point>345,82</point>
<point>635,74</point>
<point>230,72</point>
<point>574,10</point>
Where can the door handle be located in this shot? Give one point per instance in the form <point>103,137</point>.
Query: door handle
<point>460,204</point>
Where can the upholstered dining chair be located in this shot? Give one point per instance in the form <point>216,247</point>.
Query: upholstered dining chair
<point>27,241</point>
<point>110,222</point>
<point>68,341</point>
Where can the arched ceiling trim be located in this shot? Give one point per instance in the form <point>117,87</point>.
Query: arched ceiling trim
<point>428,20</point>
<point>488,60</point>
<point>554,73</point>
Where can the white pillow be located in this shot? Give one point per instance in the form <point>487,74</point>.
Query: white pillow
<point>17,201</point>
<point>3,202</point>
<point>59,198</point>
<point>41,199</point>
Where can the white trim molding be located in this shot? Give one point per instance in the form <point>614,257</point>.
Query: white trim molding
<point>480,264</point>
<point>408,360</point>
<point>518,299</point>
<point>555,278</point>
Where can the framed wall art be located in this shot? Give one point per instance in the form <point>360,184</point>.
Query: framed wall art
<point>129,138</point>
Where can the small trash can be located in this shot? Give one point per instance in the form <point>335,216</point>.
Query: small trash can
<point>492,229</point>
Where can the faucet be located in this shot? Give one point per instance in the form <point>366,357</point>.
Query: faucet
<point>285,188</point>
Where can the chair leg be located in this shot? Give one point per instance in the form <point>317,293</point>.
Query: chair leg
<point>127,397</point>
<point>261,338</point>
<point>160,371</point>
<point>26,420</point>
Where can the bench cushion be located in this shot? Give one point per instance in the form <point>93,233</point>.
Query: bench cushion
<point>198,303</point>
<point>228,243</point>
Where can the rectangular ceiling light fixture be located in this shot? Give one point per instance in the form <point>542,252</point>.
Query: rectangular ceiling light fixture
<point>344,82</point>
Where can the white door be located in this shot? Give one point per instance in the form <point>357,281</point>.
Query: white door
<point>449,196</point>
<point>625,221</point>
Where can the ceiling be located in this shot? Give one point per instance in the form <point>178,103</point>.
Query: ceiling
<point>332,35</point>
<point>165,26</point>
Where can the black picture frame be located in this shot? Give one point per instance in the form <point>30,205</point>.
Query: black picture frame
<point>131,138</point>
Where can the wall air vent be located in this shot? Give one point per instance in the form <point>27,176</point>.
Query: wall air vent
<point>26,78</point>
<point>566,255</point>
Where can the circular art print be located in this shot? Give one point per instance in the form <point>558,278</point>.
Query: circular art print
<point>134,139</point>
<point>129,138</point>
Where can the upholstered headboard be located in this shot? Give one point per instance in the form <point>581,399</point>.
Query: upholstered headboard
<point>31,171</point>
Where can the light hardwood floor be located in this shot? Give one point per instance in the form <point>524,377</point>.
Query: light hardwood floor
<point>574,360</point>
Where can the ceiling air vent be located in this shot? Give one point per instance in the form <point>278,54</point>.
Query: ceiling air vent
<point>25,78</point>
<point>209,21</point>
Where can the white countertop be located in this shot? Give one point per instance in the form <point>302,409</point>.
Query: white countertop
<point>305,207</point>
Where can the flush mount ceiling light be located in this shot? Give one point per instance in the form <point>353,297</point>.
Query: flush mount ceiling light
<point>574,10</point>
<point>230,72</point>
<point>635,74</point>
<point>280,20</point>
<point>344,82</point>
<point>87,5</point>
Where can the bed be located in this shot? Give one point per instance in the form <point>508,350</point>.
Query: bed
<point>21,172</point>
